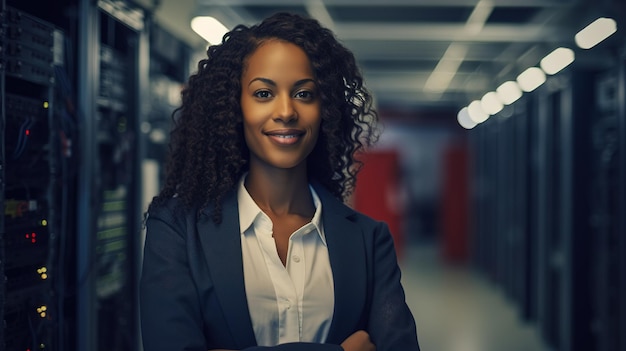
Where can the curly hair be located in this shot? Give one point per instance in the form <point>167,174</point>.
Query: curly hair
<point>207,151</point>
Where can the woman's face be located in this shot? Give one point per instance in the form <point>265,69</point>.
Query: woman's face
<point>280,105</point>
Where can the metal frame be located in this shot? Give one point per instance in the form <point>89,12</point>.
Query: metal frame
<point>88,73</point>
<point>2,180</point>
<point>621,96</point>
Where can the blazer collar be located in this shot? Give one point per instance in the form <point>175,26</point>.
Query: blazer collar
<point>221,244</point>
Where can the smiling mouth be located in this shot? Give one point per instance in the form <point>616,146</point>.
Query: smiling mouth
<point>286,137</point>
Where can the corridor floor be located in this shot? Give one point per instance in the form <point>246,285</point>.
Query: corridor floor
<point>458,310</point>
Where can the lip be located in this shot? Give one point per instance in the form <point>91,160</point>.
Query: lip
<point>285,136</point>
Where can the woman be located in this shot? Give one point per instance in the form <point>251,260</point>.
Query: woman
<point>248,245</point>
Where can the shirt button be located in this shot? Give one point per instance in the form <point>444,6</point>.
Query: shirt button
<point>296,258</point>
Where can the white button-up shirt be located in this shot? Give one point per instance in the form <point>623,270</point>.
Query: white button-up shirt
<point>288,303</point>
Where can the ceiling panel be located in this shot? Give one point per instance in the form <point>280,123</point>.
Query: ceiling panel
<point>398,43</point>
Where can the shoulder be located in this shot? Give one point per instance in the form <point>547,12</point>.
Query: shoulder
<point>174,212</point>
<point>171,211</point>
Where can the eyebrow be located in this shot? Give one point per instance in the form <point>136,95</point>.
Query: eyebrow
<point>272,83</point>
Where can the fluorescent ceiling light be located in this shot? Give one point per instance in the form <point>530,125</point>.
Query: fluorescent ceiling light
<point>478,17</point>
<point>595,32</point>
<point>446,68</point>
<point>464,119</point>
<point>531,79</point>
<point>558,59</point>
<point>441,77</point>
<point>209,28</point>
<point>491,103</point>
<point>318,10</point>
<point>509,92</point>
<point>476,112</point>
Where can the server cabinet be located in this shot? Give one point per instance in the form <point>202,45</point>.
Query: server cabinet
<point>112,77</point>
<point>532,194</point>
<point>518,188</point>
<point>483,197</point>
<point>503,163</point>
<point>30,182</point>
<point>563,218</point>
<point>607,212</point>
<point>88,186</point>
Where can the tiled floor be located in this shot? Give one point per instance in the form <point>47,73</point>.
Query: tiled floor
<point>457,310</point>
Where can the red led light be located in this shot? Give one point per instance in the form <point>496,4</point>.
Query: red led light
<point>27,132</point>
<point>32,237</point>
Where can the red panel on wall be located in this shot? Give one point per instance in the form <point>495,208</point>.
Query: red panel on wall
<point>377,193</point>
<point>454,211</point>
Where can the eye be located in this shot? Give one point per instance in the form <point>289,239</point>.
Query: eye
<point>263,94</point>
<point>305,95</point>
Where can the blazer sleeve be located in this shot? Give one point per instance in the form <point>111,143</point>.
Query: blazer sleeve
<point>169,308</point>
<point>391,324</point>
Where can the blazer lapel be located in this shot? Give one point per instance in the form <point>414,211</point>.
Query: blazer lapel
<point>222,247</point>
<point>346,251</point>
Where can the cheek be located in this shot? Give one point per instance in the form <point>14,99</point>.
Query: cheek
<point>248,133</point>
<point>246,125</point>
<point>249,115</point>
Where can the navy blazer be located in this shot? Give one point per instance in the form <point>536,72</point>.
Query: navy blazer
<point>192,290</point>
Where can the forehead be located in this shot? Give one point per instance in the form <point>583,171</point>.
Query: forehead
<point>276,57</point>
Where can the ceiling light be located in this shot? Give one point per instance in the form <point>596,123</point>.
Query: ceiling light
<point>558,59</point>
<point>209,28</point>
<point>595,32</point>
<point>491,103</point>
<point>446,68</point>
<point>476,112</point>
<point>464,119</point>
<point>531,79</point>
<point>509,92</point>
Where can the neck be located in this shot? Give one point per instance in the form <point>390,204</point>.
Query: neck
<point>281,191</point>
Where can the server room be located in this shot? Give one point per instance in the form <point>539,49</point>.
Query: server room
<point>500,168</point>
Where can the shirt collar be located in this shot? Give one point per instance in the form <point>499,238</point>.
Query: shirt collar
<point>249,211</point>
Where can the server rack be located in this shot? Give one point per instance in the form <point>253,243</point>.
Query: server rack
<point>534,200</point>
<point>607,232</point>
<point>112,81</point>
<point>563,205</point>
<point>504,191</point>
<point>517,188</point>
<point>549,258</point>
<point>484,245</point>
<point>90,180</point>
<point>30,198</point>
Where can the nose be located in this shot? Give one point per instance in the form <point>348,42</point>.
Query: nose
<point>284,109</point>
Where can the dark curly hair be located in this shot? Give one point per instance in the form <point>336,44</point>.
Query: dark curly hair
<point>207,151</point>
